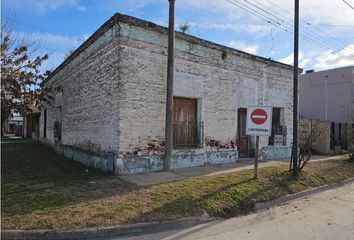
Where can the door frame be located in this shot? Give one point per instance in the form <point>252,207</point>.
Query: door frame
<point>245,154</point>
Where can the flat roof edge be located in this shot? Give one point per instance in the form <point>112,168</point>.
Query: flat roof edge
<point>117,18</point>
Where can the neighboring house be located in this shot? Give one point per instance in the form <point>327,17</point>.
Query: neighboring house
<point>109,100</point>
<point>14,125</point>
<point>328,95</point>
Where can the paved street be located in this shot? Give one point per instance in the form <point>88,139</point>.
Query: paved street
<point>327,215</point>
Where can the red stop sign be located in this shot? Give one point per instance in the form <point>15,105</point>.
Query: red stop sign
<point>259,116</point>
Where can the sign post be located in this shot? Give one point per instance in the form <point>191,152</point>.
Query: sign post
<point>255,170</point>
<point>259,123</point>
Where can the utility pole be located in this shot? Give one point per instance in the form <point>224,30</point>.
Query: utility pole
<point>169,98</point>
<point>295,100</point>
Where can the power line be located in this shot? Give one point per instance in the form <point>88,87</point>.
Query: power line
<point>305,37</point>
<point>333,25</point>
<point>265,15</point>
<point>330,36</point>
<point>44,38</point>
<point>286,21</point>
<point>338,44</point>
<point>28,25</point>
<point>348,4</point>
<point>273,42</point>
<point>319,31</point>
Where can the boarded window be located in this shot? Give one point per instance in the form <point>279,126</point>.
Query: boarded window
<point>186,128</point>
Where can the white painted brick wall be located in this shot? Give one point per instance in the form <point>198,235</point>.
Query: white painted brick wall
<point>114,91</point>
<point>200,72</point>
<point>90,89</point>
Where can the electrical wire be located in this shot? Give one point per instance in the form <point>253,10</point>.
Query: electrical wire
<point>275,23</point>
<point>280,23</point>
<point>339,46</point>
<point>306,23</point>
<point>348,4</point>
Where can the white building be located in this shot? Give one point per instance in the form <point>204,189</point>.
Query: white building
<point>328,95</point>
<point>109,106</point>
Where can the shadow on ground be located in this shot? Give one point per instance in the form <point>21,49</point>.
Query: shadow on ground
<point>35,178</point>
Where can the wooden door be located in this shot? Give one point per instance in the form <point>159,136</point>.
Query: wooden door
<point>242,138</point>
<point>184,121</point>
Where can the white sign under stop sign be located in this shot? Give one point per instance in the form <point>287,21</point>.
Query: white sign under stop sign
<point>259,121</point>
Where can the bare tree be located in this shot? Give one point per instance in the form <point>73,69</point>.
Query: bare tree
<point>308,135</point>
<point>20,76</point>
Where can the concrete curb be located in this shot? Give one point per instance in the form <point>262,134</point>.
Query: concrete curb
<point>106,232</point>
<point>289,197</point>
<point>150,227</point>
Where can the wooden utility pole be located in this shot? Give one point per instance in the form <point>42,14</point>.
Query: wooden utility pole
<point>169,97</point>
<point>295,100</point>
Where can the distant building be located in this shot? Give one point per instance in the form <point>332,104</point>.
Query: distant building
<point>14,125</point>
<point>328,95</point>
<point>109,100</point>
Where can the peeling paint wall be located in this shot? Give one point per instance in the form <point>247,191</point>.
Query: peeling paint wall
<point>222,85</point>
<point>114,91</point>
<point>181,159</point>
<point>89,98</point>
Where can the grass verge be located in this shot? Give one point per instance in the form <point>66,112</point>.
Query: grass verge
<point>42,190</point>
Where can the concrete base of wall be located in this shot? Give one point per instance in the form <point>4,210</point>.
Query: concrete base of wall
<point>103,162</point>
<point>182,158</point>
<point>275,152</point>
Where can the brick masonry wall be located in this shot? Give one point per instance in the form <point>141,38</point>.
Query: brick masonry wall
<point>223,85</point>
<point>113,98</point>
<point>89,99</point>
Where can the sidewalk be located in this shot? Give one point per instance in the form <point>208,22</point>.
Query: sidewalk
<point>152,178</point>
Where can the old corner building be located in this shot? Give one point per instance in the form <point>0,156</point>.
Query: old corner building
<point>108,109</point>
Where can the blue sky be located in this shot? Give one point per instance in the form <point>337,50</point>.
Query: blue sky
<point>327,29</point>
